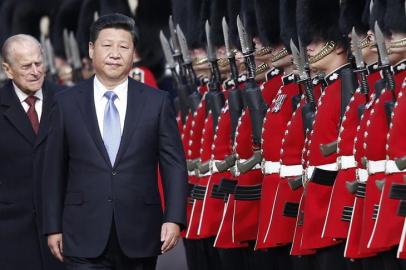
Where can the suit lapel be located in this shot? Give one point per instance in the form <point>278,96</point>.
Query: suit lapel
<point>87,107</point>
<point>16,114</point>
<point>48,97</point>
<point>135,104</point>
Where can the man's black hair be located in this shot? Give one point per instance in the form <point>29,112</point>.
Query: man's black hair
<point>116,21</point>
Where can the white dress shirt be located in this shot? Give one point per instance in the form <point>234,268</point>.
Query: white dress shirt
<point>100,101</point>
<point>22,96</point>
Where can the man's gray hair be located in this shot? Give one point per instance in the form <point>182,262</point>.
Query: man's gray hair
<point>6,50</point>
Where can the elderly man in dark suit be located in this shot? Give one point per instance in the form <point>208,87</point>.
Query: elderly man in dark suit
<point>25,105</point>
<point>108,135</point>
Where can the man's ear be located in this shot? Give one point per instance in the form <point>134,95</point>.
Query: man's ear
<point>91,50</point>
<point>340,50</point>
<point>8,70</point>
<point>136,57</point>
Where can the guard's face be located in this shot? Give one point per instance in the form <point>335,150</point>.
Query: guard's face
<point>112,54</point>
<point>313,49</point>
<point>26,66</point>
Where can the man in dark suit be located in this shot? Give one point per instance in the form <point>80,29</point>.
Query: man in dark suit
<point>108,135</point>
<point>25,105</point>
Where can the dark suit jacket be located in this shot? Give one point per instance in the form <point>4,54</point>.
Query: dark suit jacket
<point>86,191</point>
<point>22,244</point>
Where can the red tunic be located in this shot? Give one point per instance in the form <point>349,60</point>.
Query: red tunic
<point>274,128</point>
<point>325,130</point>
<point>357,225</point>
<point>388,226</point>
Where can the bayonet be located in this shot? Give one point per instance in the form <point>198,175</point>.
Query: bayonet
<point>247,49</point>
<point>246,44</point>
<point>211,54</point>
<point>183,46</point>
<point>230,53</point>
<point>384,60</point>
<point>360,63</point>
<point>226,36</point>
<point>190,75</point>
<point>357,50</point>
<point>51,56</point>
<point>308,110</point>
<point>215,98</point>
<point>67,48</point>
<point>380,42</point>
<point>174,37</point>
<point>77,63</point>
<point>181,90</point>
<point>167,51</point>
<point>298,61</point>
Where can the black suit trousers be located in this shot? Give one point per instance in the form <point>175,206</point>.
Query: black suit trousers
<point>113,258</point>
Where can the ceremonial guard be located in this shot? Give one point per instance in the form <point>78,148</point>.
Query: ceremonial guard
<point>368,74</point>
<point>341,201</point>
<point>327,50</point>
<point>388,225</point>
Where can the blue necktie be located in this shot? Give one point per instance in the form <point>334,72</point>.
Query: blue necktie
<point>111,127</point>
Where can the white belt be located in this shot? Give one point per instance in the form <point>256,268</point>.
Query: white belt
<point>309,172</point>
<point>328,167</point>
<point>290,170</point>
<point>346,162</point>
<point>374,167</point>
<point>392,168</point>
<point>362,175</point>
<point>270,167</point>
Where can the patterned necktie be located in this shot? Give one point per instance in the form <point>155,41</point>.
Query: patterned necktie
<point>111,127</point>
<point>32,113</point>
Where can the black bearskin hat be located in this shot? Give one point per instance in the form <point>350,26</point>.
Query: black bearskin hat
<point>395,17</point>
<point>288,22</point>
<point>377,14</point>
<point>247,15</point>
<point>318,20</point>
<point>267,17</point>
<point>218,10</point>
<point>351,12</point>
<point>197,12</point>
<point>233,9</point>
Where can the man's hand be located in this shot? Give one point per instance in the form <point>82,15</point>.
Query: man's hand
<point>55,245</point>
<point>169,235</point>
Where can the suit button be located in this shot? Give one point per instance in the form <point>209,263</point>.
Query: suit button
<point>109,199</point>
<point>114,173</point>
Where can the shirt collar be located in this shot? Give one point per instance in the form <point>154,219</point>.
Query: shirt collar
<point>23,96</point>
<point>119,90</point>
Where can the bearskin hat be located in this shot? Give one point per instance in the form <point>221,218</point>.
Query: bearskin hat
<point>351,12</point>
<point>318,20</point>
<point>267,19</point>
<point>288,22</point>
<point>395,16</point>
